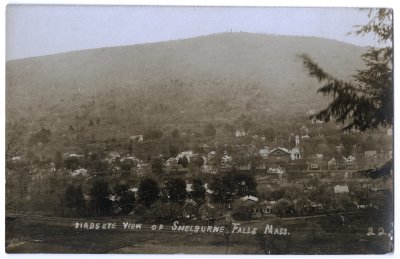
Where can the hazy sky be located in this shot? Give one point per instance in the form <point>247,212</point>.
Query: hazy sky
<point>42,30</point>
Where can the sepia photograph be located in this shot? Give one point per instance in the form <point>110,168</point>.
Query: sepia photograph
<point>134,129</point>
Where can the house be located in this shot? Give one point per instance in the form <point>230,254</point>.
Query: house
<point>130,158</point>
<point>244,167</point>
<point>16,158</point>
<point>134,190</point>
<point>279,155</point>
<point>338,189</point>
<point>311,112</point>
<point>76,155</point>
<point>189,187</point>
<point>276,170</point>
<point>240,133</point>
<point>370,156</point>
<point>304,132</point>
<point>79,172</point>
<point>314,121</point>
<point>188,154</point>
<point>249,198</point>
<point>211,155</point>
<point>316,162</point>
<point>137,138</point>
<point>267,206</point>
<point>349,161</point>
<point>112,156</point>
<point>334,163</point>
<point>208,169</point>
<point>171,165</point>
<point>264,152</point>
<point>142,169</point>
<point>297,140</point>
<point>339,148</point>
<point>226,160</point>
<point>295,153</point>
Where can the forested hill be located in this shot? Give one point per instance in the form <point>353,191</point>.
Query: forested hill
<point>219,76</point>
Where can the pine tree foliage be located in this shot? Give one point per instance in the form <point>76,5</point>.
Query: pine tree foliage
<point>365,103</point>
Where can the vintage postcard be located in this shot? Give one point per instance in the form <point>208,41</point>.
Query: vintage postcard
<point>199,130</point>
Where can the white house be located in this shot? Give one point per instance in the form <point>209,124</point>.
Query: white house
<point>208,169</point>
<point>341,189</point>
<point>226,160</point>
<point>249,198</point>
<point>264,152</point>
<point>188,154</point>
<point>240,133</point>
<point>350,160</point>
<point>137,138</point>
<point>295,153</point>
<point>311,112</point>
<point>79,172</point>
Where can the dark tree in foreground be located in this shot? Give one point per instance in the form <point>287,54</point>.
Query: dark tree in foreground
<point>176,189</point>
<point>99,193</point>
<point>199,192</point>
<point>148,191</point>
<point>74,198</point>
<point>366,103</point>
<point>125,199</point>
<point>157,166</point>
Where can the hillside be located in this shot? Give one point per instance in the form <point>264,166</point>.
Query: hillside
<point>210,78</point>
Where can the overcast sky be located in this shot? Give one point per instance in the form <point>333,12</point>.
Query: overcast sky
<point>42,30</point>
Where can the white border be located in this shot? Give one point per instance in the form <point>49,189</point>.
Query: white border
<point>293,3</point>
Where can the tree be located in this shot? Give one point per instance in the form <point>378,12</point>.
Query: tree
<point>130,147</point>
<point>199,192</point>
<point>173,150</point>
<point>127,164</point>
<point>157,166</point>
<point>14,142</point>
<point>42,136</point>
<point>72,163</point>
<point>366,103</point>
<point>175,133</point>
<point>176,189</point>
<point>125,199</point>
<point>164,212</point>
<point>153,134</point>
<point>282,207</point>
<point>58,160</point>
<point>183,161</point>
<point>148,191</point>
<point>209,130</point>
<point>198,161</point>
<point>242,210</point>
<point>74,198</point>
<point>245,184</point>
<point>99,193</point>
<point>222,190</point>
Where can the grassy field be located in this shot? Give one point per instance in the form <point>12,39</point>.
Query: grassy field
<point>307,236</point>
